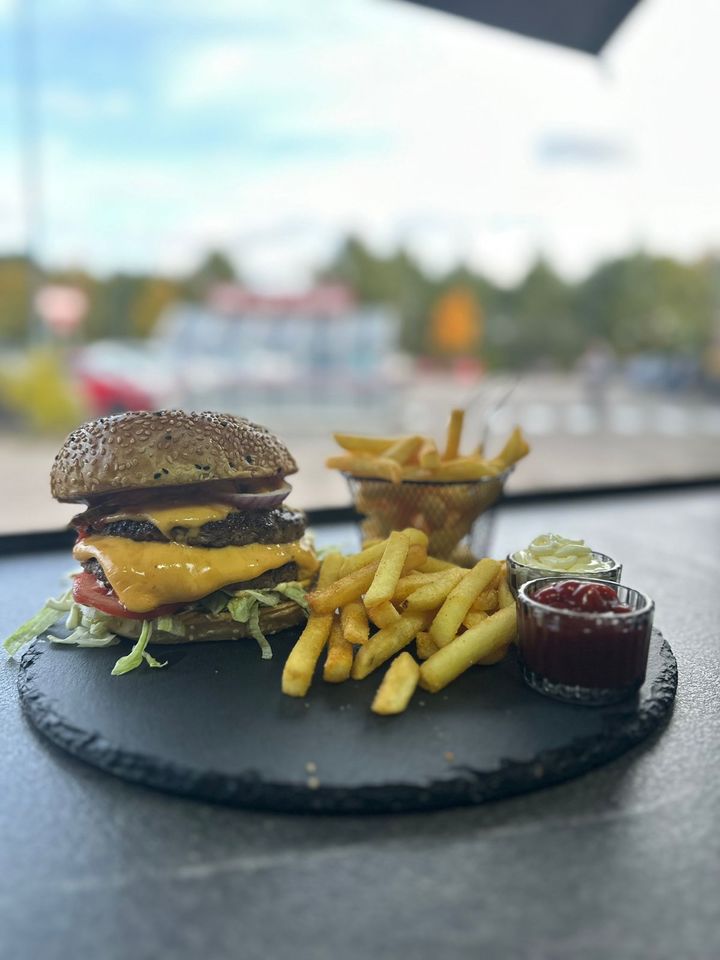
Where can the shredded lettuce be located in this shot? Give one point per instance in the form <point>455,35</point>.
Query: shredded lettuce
<point>81,637</point>
<point>88,628</point>
<point>294,592</point>
<point>45,618</point>
<point>138,653</point>
<point>256,632</point>
<point>215,602</point>
<point>91,628</point>
<point>170,625</point>
<point>244,607</point>
<point>241,605</point>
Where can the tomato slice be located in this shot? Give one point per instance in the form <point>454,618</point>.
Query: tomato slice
<point>90,592</point>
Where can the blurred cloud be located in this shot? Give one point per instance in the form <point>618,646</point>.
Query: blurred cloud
<point>576,147</point>
<point>272,129</point>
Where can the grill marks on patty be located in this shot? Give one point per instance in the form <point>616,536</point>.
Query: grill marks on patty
<point>238,529</point>
<point>284,574</point>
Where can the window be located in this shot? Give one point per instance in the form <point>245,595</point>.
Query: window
<point>356,216</point>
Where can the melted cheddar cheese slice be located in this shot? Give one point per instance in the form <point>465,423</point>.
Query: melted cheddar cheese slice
<point>189,515</point>
<point>145,575</point>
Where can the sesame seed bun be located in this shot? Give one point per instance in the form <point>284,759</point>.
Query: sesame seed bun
<point>167,448</point>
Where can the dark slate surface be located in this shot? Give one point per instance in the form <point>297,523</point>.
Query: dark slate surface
<point>621,862</point>
<point>244,743</point>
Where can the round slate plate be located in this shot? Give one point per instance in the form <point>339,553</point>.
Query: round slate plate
<point>214,725</point>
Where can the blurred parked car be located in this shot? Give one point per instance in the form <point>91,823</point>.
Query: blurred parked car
<point>113,377</point>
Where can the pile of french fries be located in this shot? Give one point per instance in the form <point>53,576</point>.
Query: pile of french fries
<point>440,492</point>
<point>369,606</point>
<point>417,458</point>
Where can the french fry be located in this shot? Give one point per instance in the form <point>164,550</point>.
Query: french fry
<point>338,662</point>
<point>300,664</point>
<point>407,584</point>
<point>364,466</point>
<point>485,601</point>
<point>383,614</point>
<point>343,591</point>
<point>429,455</point>
<point>386,643</point>
<point>369,554</point>
<point>359,444</point>
<point>410,583</point>
<point>495,657</point>
<point>417,555</point>
<point>354,585</point>
<point>433,595</point>
<point>389,570</point>
<point>354,621</point>
<point>505,597</point>
<point>464,469</point>
<point>403,449</point>
<point>482,641</point>
<point>372,552</point>
<point>416,458</point>
<point>397,687</point>
<point>474,617</point>
<point>454,432</point>
<point>516,447</point>
<point>448,619</point>
<point>434,565</point>
<point>424,645</point>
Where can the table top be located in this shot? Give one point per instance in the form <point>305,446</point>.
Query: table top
<point>624,861</point>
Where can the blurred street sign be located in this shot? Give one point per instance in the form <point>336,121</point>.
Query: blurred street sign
<point>62,309</point>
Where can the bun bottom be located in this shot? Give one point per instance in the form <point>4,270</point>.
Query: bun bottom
<point>198,627</point>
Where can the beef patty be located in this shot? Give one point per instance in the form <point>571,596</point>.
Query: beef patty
<point>238,529</point>
<point>284,574</point>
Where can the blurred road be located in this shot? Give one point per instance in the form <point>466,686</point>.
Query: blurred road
<point>576,440</point>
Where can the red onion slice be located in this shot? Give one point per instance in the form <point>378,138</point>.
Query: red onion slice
<point>257,501</point>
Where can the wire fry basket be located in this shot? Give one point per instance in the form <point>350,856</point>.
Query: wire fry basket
<point>456,516</point>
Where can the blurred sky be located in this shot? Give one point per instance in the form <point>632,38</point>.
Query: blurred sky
<point>271,127</point>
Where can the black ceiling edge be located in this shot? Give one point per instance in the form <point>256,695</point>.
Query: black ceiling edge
<point>584,25</point>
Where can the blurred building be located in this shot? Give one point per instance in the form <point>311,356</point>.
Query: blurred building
<point>303,360</point>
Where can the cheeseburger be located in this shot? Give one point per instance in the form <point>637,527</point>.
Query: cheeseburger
<point>185,535</point>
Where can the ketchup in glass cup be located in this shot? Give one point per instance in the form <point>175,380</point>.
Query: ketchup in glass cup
<point>585,641</point>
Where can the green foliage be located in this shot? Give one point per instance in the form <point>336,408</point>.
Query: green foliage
<point>38,390</point>
<point>14,285</point>
<point>635,303</point>
<point>216,267</point>
<point>649,303</point>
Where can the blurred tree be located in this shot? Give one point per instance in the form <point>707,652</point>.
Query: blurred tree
<point>13,299</point>
<point>545,327</point>
<point>635,303</point>
<point>215,268</point>
<point>649,303</point>
<point>396,280</point>
<point>39,390</point>
<point>154,295</point>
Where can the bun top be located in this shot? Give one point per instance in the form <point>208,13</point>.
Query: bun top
<point>166,448</point>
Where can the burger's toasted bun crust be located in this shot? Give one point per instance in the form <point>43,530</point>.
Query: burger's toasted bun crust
<point>164,449</point>
<point>199,627</point>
